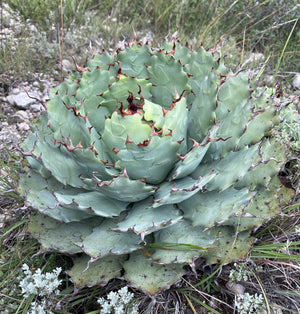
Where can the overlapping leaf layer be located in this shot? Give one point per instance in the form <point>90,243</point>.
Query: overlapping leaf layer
<point>149,159</point>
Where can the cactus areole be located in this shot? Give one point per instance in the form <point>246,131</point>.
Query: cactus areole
<point>149,159</point>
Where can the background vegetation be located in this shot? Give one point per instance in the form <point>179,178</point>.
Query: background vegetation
<point>245,27</point>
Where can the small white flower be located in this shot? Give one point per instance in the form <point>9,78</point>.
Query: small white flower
<point>246,303</point>
<point>114,298</point>
<point>125,295</point>
<point>39,284</point>
<point>37,308</point>
<point>119,303</point>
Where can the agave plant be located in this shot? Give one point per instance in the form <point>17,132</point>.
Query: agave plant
<point>149,159</point>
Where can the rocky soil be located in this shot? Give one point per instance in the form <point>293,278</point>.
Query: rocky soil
<point>18,109</point>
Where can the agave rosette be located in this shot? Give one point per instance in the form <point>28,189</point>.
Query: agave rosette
<point>149,159</point>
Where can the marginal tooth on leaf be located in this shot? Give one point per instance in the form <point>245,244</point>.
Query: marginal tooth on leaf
<point>151,125</point>
<point>111,165</point>
<point>165,111</point>
<point>173,189</point>
<point>170,133</point>
<point>124,174</point>
<point>144,143</point>
<point>133,41</point>
<point>173,105</point>
<point>127,140</point>
<point>115,150</point>
<point>173,50</point>
<point>182,158</point>
<point>78,68</point>
<point>27,154</point>
<point>175,100</point>
<point>92,148</point>
<point>80,146</point>
<point>154,133</point>
<point>195,143</point>
<point>175,91</point>
<point>120,69</point>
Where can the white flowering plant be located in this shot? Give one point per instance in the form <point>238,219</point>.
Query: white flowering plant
<point>39,308</point>
<point>120,302</point>
<point>43,286</point>
<point>247,303</point>
<point>40,284</point>
<point>239,273</point>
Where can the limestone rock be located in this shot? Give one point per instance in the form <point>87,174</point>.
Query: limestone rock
<point>21,100</point>
<point>296,81</point>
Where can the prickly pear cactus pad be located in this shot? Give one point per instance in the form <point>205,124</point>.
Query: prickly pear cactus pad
<point>149,159</point>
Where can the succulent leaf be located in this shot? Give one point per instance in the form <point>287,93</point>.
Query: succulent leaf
<point>149,276</point>
<point>97,273</point>
<point>187,243</point>
<point>104,241</point>
<point>230,245</point>
<point>62,237</point>
<point>214,208</point>
<point>173,192</point>
<point>142,219</point>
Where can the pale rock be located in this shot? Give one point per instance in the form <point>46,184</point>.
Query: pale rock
<point>23,127</point>
<point>36,107</point>
<point>19,117</point>
<point>296,81</point>
<point>234,287</point>
<point>22,114</point>
<point>67,66</point>
<point>121,45</point>
<point>21,100</point>
<point>32,28</point>
<point>269,79</point>
<point>15,91</point>
<point>7,32</point>
<point>256,57</point>
<point>18,29</point>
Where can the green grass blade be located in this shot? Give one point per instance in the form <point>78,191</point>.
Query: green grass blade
<point>201,303</point>
<point>283,50</point>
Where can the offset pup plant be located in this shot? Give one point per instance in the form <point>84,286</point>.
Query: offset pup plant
<point>149,159</point>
